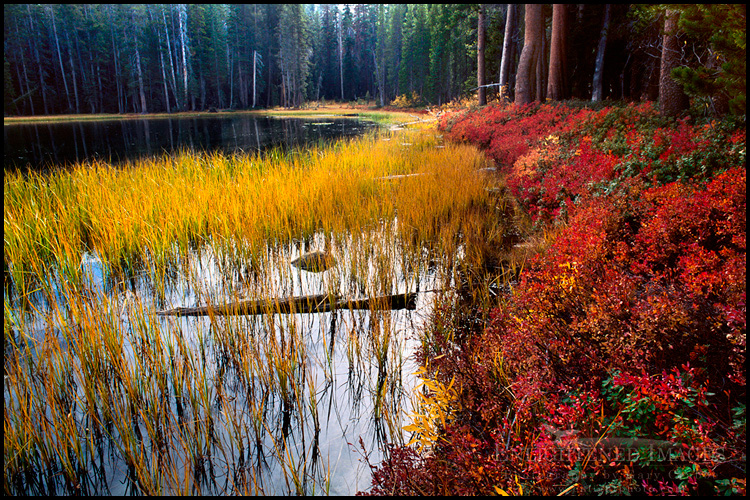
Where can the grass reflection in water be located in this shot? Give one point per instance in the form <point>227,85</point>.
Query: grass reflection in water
<point>104,396</point>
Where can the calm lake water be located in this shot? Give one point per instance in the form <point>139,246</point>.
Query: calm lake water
<point>40,145</point>
<point>350,373</point>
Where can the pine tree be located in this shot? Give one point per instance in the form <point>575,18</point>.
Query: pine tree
<point>672,99</point>
<point>718,76</point>
<point>379,56</point>
<point>329,55</point>
<point>293,53</point>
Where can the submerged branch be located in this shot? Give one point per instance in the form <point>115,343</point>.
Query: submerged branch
<point>305,304</point>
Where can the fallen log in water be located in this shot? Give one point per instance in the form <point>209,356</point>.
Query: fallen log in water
<point>398,301</point>
<point>305,304</point>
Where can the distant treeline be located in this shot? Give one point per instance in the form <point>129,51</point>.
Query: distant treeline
<point>155,58</point>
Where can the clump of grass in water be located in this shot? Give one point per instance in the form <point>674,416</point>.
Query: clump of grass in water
<point>150,205</point>
<point>106,384</point>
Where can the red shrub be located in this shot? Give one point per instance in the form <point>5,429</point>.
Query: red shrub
<point>592,151</point>
<point>632,325</point>
<point>684,286</point>
<point>506,132</point>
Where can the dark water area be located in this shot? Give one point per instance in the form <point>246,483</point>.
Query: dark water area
<point>38,146</point>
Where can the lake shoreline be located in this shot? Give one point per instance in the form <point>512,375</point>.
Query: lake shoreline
<point>39,144</point>
<point>351,111</point>
<point>91,253</point>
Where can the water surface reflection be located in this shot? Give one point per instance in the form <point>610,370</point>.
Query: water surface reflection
<point>272,403</point>
<point>40,145</point>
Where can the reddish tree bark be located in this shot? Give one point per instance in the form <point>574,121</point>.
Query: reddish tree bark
<point>558,76</point>
<point>528,66</point>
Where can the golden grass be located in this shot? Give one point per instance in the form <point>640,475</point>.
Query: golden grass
<point>238,203</point>
<point>96,385</point>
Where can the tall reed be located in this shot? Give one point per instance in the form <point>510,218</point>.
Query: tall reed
<point>237,203</point>
<point>100,392</point>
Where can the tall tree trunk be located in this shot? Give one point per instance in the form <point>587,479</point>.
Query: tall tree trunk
<point>283,79</point>
<point>269,82</point>
<point>341,59</point>
<point>217,83</point>
<point>133,76</point>
<point>482,91</point>
<point>526,79</point>
<point>230,65</point>
<point>598,83</point>
<point>161,59</point>
<point>508,43</point>
<point>558,76</point>
<point>25,78</point>
<point>380,48</point>
<point>672,99</point>
<point>59,58</point>
<point>101,87</point>
<point>92,95</point>
<point>381,84</point>
<point>164,77</point>
<point>118,77</point>
<point>241,83</point>
<point>37,38</point>
<point>116,57</point>
<point>541,69</point>
<point>73,71</point>
<point>255,59</point>
<point>139,72</point>
<point>171,61</point>
<point>182,13</point>
<point>84,84</point>
<point>22,82</point>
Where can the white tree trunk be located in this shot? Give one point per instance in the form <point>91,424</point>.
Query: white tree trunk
<point>505,63</point>
<point>255,58</point>
<point>183,42</point>
<point>599,68</point>
<point>59,57</point>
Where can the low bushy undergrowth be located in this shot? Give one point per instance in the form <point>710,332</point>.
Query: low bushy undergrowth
<point>616,365</point>
<point>554,153</point>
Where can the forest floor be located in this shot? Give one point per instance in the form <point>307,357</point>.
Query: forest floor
<point>615,365</point>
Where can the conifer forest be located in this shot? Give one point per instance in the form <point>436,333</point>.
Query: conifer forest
<point>105,58</point>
